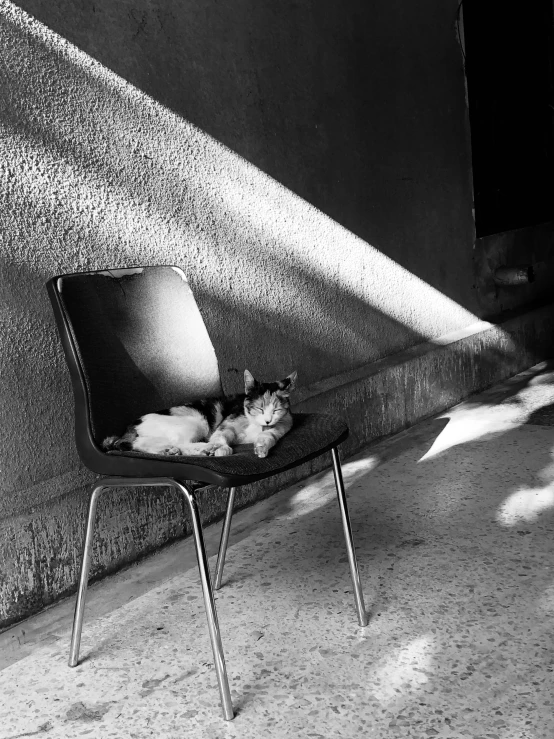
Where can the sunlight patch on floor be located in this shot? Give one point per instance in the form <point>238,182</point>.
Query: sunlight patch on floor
<point>471,424</point>
<point>525,505</point>
<point>545,602</point>
<point>471,421</point>
<point>404,671</point>
<point>322,489</point>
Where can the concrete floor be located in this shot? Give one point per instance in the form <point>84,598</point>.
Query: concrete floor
<point>453,522</point>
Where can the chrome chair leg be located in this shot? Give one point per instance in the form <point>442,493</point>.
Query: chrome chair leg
<point>358,594</point>
<point>224,539</point>
<point>213,626</point>
<point>83,581</point>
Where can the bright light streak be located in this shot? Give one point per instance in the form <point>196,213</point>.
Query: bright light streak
<point>546,601</point>
<point>470,421</point>
<point>470,424</point>
<point>525,505</point>
<point>304,249</point>
<point>404,671</point>
<point>321,489</point>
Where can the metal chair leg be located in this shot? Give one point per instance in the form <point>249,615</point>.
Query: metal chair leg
<point>213,626</point>
<point>83,581</point>
<point>224,539</point>
<point>358,595</point>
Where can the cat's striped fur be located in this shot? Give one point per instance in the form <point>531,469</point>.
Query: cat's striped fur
<point>260,416</point>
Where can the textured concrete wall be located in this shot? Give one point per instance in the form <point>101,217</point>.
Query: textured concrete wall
<point>358,107</point>
<point>533,246</point>
<point>97,174</point>
<point>306,164</point>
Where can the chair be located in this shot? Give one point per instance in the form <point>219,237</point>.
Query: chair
<point>135,342</point>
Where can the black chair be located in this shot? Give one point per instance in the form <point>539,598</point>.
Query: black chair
<point>135,342</point>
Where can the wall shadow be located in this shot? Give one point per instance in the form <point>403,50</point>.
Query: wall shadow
<point>358,109</point>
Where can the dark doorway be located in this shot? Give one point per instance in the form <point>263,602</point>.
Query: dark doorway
<point>508,59</point>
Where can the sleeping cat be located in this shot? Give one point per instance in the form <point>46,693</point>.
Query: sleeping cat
<point>260,416</point>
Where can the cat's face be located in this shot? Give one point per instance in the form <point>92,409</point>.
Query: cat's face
<point>266,403</point>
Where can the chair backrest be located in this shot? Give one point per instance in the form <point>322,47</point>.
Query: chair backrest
<point>135,342</point>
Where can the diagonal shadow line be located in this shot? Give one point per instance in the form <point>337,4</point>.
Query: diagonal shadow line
<point>301,278</point>
<point>262,106</point>
<point>356,336</point>
<point>278,250</point>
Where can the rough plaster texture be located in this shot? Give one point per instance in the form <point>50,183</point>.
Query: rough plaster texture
<point>532,246</point>
<point>357,107</point>
<point>97,174</point>
<point>307,166</point>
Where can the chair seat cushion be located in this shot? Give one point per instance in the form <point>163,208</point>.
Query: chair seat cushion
<point>311,435</point>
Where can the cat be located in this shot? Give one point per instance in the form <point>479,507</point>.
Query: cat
<point>259,416</point>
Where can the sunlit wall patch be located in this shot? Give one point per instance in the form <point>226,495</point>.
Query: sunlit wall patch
<point>266,218</point>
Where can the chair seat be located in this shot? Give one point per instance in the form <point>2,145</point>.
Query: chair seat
<point>311,435</point>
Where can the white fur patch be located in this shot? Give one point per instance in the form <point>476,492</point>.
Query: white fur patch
<point>158,432</point>
<point>248,431</point>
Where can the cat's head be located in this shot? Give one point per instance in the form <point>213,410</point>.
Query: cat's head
<point>266,403</point>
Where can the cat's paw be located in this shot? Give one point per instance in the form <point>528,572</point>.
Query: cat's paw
<point>223,451</point>
<point>172,451</point>
<point>261,448</point>
<point>201,449</point>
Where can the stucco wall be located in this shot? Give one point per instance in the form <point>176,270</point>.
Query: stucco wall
<point>306,164</point>
<point>358,107</point>
<point>532,246</point>
<point>95,173</point>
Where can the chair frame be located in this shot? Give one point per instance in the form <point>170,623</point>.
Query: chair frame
<point>189,492</point>
<point>140,472</point>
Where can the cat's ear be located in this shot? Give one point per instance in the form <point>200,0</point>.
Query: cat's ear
<point>249,382</point>
<point>289,383</point>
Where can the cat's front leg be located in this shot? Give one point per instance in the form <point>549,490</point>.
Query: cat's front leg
<point>263,444</point>
<point>220,442</point>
